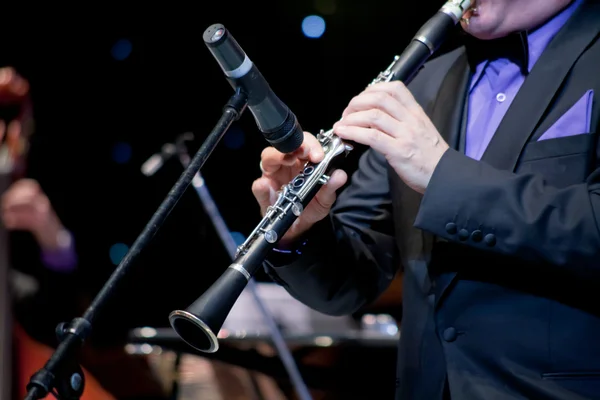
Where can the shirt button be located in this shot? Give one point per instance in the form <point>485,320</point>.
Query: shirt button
<point>449,334</point>
<point>501,97</point>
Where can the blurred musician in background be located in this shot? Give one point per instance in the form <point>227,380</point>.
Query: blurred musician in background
<point>491,212</point>
<point>24,207</point>
<point>44,268</point>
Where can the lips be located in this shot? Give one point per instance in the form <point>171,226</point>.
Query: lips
<point>472,11</point>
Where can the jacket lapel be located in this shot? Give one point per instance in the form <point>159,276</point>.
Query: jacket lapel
<point>539,89</point>
<point>447,115</point>
<point>447,111</point>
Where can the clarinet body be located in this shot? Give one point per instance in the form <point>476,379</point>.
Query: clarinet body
<point>200,323</point>
<point>292,199</point>
<point>218,300</point>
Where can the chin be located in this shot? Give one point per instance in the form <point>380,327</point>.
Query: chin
<point>483,33</point>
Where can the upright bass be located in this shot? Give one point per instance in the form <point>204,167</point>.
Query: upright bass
<point>6,364</point>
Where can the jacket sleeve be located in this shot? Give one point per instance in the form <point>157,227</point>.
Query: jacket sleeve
<point>515,214</point>
<point>350,258</point>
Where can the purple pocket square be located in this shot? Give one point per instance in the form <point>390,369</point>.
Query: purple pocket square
<point>576,121</point>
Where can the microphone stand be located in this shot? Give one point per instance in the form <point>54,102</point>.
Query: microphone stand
<point>224,233</point>
<point>61,375</point>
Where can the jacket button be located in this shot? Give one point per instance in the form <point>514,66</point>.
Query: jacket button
<point>451,228</point>
<point>463,234</point>
<point>477,236</point>
<point>449,334</point>
<point>490,240</point>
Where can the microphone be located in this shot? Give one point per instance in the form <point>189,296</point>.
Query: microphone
<point>168,150</point>
<point>156,161</point>
<point>277,123</point>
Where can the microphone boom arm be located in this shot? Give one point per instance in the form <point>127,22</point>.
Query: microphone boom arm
<point>57,372</point>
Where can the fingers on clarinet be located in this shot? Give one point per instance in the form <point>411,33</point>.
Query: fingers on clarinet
<point>272,160</point>
<point>337,180</point>
<point>261,189</point>
<point>312,149</point>
<point>327,195</point>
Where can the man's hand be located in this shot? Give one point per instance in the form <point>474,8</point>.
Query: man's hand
<point>26,207</point>
<point>279,169</point>
<point>387,118</point>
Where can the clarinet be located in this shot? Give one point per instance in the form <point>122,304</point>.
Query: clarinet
<point>293,197</point>
<point>201,322</point>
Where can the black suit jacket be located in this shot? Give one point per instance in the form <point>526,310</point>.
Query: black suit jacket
<point>501,257</point>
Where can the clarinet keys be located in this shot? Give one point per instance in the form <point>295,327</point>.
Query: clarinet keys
<point>308,169</point>
<point>319,174</point>
<point>298,182</point>
<point>324,179</point>
<point>297,208</point>
<point>293,197</point>
<point>271,236</point>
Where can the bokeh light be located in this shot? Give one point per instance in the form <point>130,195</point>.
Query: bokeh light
<point>117,252</point>
<point>238,238</point>
<point>234,138</point>
<point>313,26</point>
<point>121,49</point>
<point>121,152</point>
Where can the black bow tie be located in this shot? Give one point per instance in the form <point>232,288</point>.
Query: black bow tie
<point>513,47</point>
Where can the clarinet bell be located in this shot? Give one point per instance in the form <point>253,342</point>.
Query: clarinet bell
<point>200,323</point>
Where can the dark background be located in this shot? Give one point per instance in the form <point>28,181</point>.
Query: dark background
<point>100,117</point>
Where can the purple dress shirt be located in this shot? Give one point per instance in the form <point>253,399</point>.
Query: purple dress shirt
<point>495,84</point>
